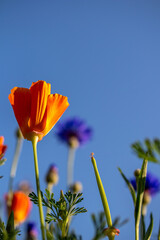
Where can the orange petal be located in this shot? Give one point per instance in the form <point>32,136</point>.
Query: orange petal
<point>2,147</point>
<point>1,140</point>
<point>21,206</point>
<point>56,106</point>
<point>39,95</point>
<point>20,99</point>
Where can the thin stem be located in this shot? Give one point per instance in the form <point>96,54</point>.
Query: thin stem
<point>15,162</point>
<point>111,238</point>
<point>137,232</point>
<point>63,231</point>
<point>49,188</point>
<point>139,200</point>
<point>34,144</point>
<point>64,228</point>
<point>70,167</point>
<point>102,194</point>
<point>14,169</point>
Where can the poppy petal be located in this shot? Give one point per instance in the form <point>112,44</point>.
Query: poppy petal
<point>20,99</point>
<point>1,140</point>
<point>21,207</point>
<point>56,106</point>
<point>39,95</point>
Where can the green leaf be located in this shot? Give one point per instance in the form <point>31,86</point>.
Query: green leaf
<point>142,227</point>
<point>156,145</point>
<point>99,222</point>
<point>61,210</point>
<point>150,228</point>
<point>3,232</point>
<point>2,161</point>
<point>119,224</point>
<point>10,223</point>
<point>146,150</point>
<point>131,189</point>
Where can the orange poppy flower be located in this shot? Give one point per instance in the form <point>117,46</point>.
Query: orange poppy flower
<point>36,110</point>
<point>2,147</point>
<point>21,207</point>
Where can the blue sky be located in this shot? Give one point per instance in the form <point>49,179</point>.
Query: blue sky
<point>105,57</point>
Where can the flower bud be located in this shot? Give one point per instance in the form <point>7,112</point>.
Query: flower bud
<point>76,187</point>
<point>52,176</point>
<point>146,200</point>
<point>25,187</point>
<point>73,142</point>
<point>137,172</point>
<point>111,232</point>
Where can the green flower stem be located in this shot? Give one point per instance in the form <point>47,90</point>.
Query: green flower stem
<point>70,167</point>
<point>50,189</point>
<point>139,200</point>
<point>34,144</point>
<point>102,194</point>
<point>63,230</point>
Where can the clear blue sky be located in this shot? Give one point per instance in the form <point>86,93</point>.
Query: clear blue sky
<point>105,56</point>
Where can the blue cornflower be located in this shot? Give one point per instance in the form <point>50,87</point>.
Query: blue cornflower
<point>74,130</point>
<point>152,185</point>
<point>32,230</point>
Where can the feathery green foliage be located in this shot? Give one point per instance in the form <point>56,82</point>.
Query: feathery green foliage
<point>148,150</point>
<point>61,210</point>
<point>8,232</point>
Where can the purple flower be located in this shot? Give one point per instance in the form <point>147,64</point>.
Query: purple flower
<point>32,229</point>
<point>74,129</point>
<point>152,185</point>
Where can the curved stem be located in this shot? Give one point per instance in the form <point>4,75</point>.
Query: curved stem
<point>34,144</point>
<point>70,166</point>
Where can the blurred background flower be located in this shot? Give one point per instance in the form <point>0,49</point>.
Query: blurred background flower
<point>52,175</point>
<point>74,131</point>
<point>25,187</point>
<point>76,187</point>
<point>21,207</point>
<point>152,187</point>
<point>3,147</point>
<point>32,231</point>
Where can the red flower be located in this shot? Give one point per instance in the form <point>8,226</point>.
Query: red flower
<point>3,147</point>
<point>36,110</point>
